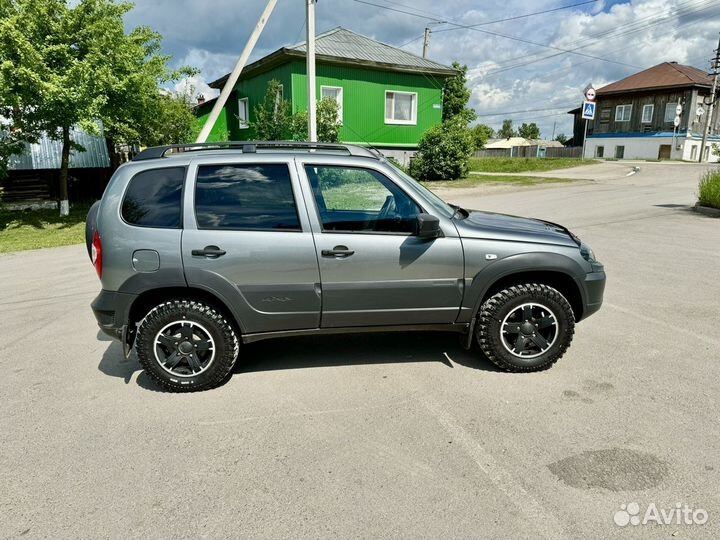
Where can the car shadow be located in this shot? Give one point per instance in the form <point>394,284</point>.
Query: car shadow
<point>321,351</point>
<point>359,349</point>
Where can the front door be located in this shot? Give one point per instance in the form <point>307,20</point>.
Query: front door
<point>373,269</point>
<point>664,152</point>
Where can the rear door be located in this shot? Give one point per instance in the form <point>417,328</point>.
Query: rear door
<point>373,269</point>
<point>247,238</point>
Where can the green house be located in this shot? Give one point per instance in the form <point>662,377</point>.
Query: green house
<point>387,97</point>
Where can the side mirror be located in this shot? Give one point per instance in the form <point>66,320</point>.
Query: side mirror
<point>428,226</point>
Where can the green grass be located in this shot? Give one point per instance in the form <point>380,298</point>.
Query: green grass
<point>516,165</point>
<point>709,189</point>
<point>33,229</point>
<point>480,180</point>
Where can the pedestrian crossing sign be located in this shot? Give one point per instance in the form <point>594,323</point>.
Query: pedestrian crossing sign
<point>588,110</point>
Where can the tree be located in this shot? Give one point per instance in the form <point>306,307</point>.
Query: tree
<point>272,116</point>
<point>481,133</point>
<point>19,122</point>
<point>76,66</point>
<point>328,123</point>
<point>562,138</point>
<point>456,95</point>
<point>529,131</point>
<point>444,151</point>
<point>506,131</point>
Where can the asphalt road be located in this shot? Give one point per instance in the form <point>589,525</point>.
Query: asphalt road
<point>389,436</point>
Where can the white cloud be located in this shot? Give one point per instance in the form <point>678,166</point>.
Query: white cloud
<point>209,36</point>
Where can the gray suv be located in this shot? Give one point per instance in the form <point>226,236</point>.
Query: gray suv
<point>204,248</point>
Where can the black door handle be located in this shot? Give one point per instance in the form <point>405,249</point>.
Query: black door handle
<point>211,252</point>
<point>337,251</point>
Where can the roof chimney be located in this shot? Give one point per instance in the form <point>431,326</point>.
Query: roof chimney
<point>200,99</point>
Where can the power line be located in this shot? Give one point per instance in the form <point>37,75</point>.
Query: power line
<point>411,41</point>
<point>521,16</point>
<point>496,34</point>
<point>639,25</point>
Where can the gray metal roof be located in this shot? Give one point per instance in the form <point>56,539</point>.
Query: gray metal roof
<point>342,46</point>
<point>343,43</point>
<point>47,153</point>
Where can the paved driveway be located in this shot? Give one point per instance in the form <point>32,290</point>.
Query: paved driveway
<point>391,435</point>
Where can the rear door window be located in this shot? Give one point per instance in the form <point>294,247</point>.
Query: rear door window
<point>154,198</point>
<point>245,197</point>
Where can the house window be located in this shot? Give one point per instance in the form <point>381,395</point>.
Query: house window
<point>622,113</point>
<point>243,113</point>
<point>279,98</point>
<point>599,151</point>
<point>336,93</point>
<point>605,115</point>
<point>670,109</point>
<point>693,152</point>
<point>400,108</point>
<point>647,115</point>
<point>619,152</point>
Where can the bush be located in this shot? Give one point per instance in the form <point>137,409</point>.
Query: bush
<point>709,189</point>
<point>444,152</point>
<point>328,125</point>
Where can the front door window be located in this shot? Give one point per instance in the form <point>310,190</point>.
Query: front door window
<point>352,199</point>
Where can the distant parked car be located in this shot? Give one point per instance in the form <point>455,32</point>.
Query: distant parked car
<point>204,248</point>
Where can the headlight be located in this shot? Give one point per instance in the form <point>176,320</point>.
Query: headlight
<point>587,253</point>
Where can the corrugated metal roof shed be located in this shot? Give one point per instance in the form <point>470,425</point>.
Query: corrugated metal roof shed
<point>343,43</point>
<point>47,153</point>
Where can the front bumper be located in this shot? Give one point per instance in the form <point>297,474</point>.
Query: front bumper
<point>112,310</point>
<point>594,287</point>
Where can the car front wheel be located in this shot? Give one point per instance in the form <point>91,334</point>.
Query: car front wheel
<point>525,327</point>
<point>186,346</point>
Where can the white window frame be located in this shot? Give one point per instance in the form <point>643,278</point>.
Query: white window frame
<point>244,124</point>
<point>670,107</point>
<point>651,108</point>
<point>620,116</point>
<point>413,110</point>
<point>279,97</point>
<point>339,99</point>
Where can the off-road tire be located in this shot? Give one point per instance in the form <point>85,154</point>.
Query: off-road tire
<point>226,341</point>
<point>496,308</point>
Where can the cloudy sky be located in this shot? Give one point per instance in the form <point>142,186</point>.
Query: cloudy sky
<point>519,68</point>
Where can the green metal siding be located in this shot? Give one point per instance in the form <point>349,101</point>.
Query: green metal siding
<point>254,89</point>
<point>227,128</point>
<point>364,101</point>
<point>220,129</point>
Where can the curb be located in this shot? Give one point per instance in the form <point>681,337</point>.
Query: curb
<point>707,210</point>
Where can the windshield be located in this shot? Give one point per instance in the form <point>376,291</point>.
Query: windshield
<point>443,208</point>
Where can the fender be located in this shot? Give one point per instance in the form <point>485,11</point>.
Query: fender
<point>515,264</point>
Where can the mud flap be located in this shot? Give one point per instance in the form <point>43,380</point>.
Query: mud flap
<point>128,340</point>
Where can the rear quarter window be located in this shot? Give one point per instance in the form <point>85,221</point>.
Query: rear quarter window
<point>154,198</point>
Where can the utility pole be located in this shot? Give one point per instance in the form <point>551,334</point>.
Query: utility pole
<point>310,51</point>
<point>708,119</point>
<point>553,135</point>
<point>426,42</point>
<point>233,77</point>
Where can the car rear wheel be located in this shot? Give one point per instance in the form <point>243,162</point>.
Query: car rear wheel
<point>186,346</point>
<point>525,327</point>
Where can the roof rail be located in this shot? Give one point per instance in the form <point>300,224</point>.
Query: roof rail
<point>250,147</point>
